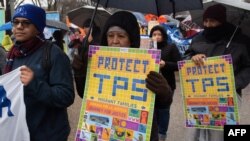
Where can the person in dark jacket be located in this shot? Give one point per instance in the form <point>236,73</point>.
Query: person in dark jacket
<point>47,93</point>
<point>82,52</point>
<point>122,30</point>
<point>219,38</point>
<point>58,36</point>
<point>168,65</point>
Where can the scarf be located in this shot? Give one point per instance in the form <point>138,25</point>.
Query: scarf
<point>221,32</point>
<point>161,45</point>
<point>21,49</point>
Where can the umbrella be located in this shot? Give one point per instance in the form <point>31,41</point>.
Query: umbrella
<point>56,24</point>
<point>49,23</point>
<point>6,26</point>
<point>79,15</point>
<point>156,7</point>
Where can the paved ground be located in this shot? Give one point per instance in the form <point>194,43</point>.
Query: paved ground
<point>176,127</point>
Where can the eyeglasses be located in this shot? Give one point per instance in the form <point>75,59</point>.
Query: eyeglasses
<point>24,23</point>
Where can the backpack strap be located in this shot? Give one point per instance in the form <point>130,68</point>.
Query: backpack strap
<point>46,62</point>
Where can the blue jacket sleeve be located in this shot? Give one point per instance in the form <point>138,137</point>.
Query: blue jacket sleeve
<point>57,90</point>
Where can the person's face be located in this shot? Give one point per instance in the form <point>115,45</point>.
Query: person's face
<point>211,23</point>
<point>157,36</point>
<point>118,39</point>
<point>23,29</point>
<point>77,34</point>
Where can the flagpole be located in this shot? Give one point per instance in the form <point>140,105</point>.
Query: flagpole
<point>91,25</point>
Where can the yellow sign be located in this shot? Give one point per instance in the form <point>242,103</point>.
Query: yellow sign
<point>116,99</point>
<point>210,99</point>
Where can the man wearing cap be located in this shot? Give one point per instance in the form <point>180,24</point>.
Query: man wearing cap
<point>219,38</point>
<point>47,92</point>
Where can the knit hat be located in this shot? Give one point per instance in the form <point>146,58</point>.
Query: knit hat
<point>35,14</point>
<point>126,21</point>
<point>217,12</point>
<point>161,29</point>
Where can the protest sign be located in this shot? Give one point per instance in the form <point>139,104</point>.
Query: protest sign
<point>209,94</point>
<point>13,125</point>
<point>116,104</point>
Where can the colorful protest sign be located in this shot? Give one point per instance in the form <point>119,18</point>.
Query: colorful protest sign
<point>116,104</point>
<point>210,99</point>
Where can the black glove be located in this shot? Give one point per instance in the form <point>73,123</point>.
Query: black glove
<point>159,85</point>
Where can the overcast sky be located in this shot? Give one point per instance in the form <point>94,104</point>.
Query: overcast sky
<point>44,2</point>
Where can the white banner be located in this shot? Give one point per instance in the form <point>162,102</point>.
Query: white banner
<point>13,125</point>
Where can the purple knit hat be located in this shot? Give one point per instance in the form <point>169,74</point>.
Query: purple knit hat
<point>217,12</point>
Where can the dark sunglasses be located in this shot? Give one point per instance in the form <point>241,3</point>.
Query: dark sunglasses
<point>24,23</point>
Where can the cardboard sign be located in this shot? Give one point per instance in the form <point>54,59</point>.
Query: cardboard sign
<point>209,94</point>
<point>116,104</point>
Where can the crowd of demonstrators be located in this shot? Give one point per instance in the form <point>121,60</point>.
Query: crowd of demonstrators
<point>168,65</point>
<point>79,63</point>
<point>47,92</point>
<point>216,40</point>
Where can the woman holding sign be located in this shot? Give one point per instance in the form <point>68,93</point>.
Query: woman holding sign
<point>219,38</point>
<point>122,30</point>
<point>168,65</point>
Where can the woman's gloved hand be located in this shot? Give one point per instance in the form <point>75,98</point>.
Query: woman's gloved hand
<point>159,85</point>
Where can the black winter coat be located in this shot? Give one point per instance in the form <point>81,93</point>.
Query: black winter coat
<point>171,55</point>
<point>237,49</point>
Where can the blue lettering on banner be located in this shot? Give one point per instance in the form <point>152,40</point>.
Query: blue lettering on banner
<point>107,63</point>
<point>206,69</point>
<point>129,61</point>
<point>145,63</point>
<point>205,84</point>
<point>114,63</point>
<point>121,83</point>
<point>102,77</point>
<point>122,60</point>
<point>221,83</point>
<point>123,64</point>
<point>116,86</point>
<point>192,82</point>
<point>100,61</point>
<point>4,102</point>
<point>136,62</point>
<point>136,89</point>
